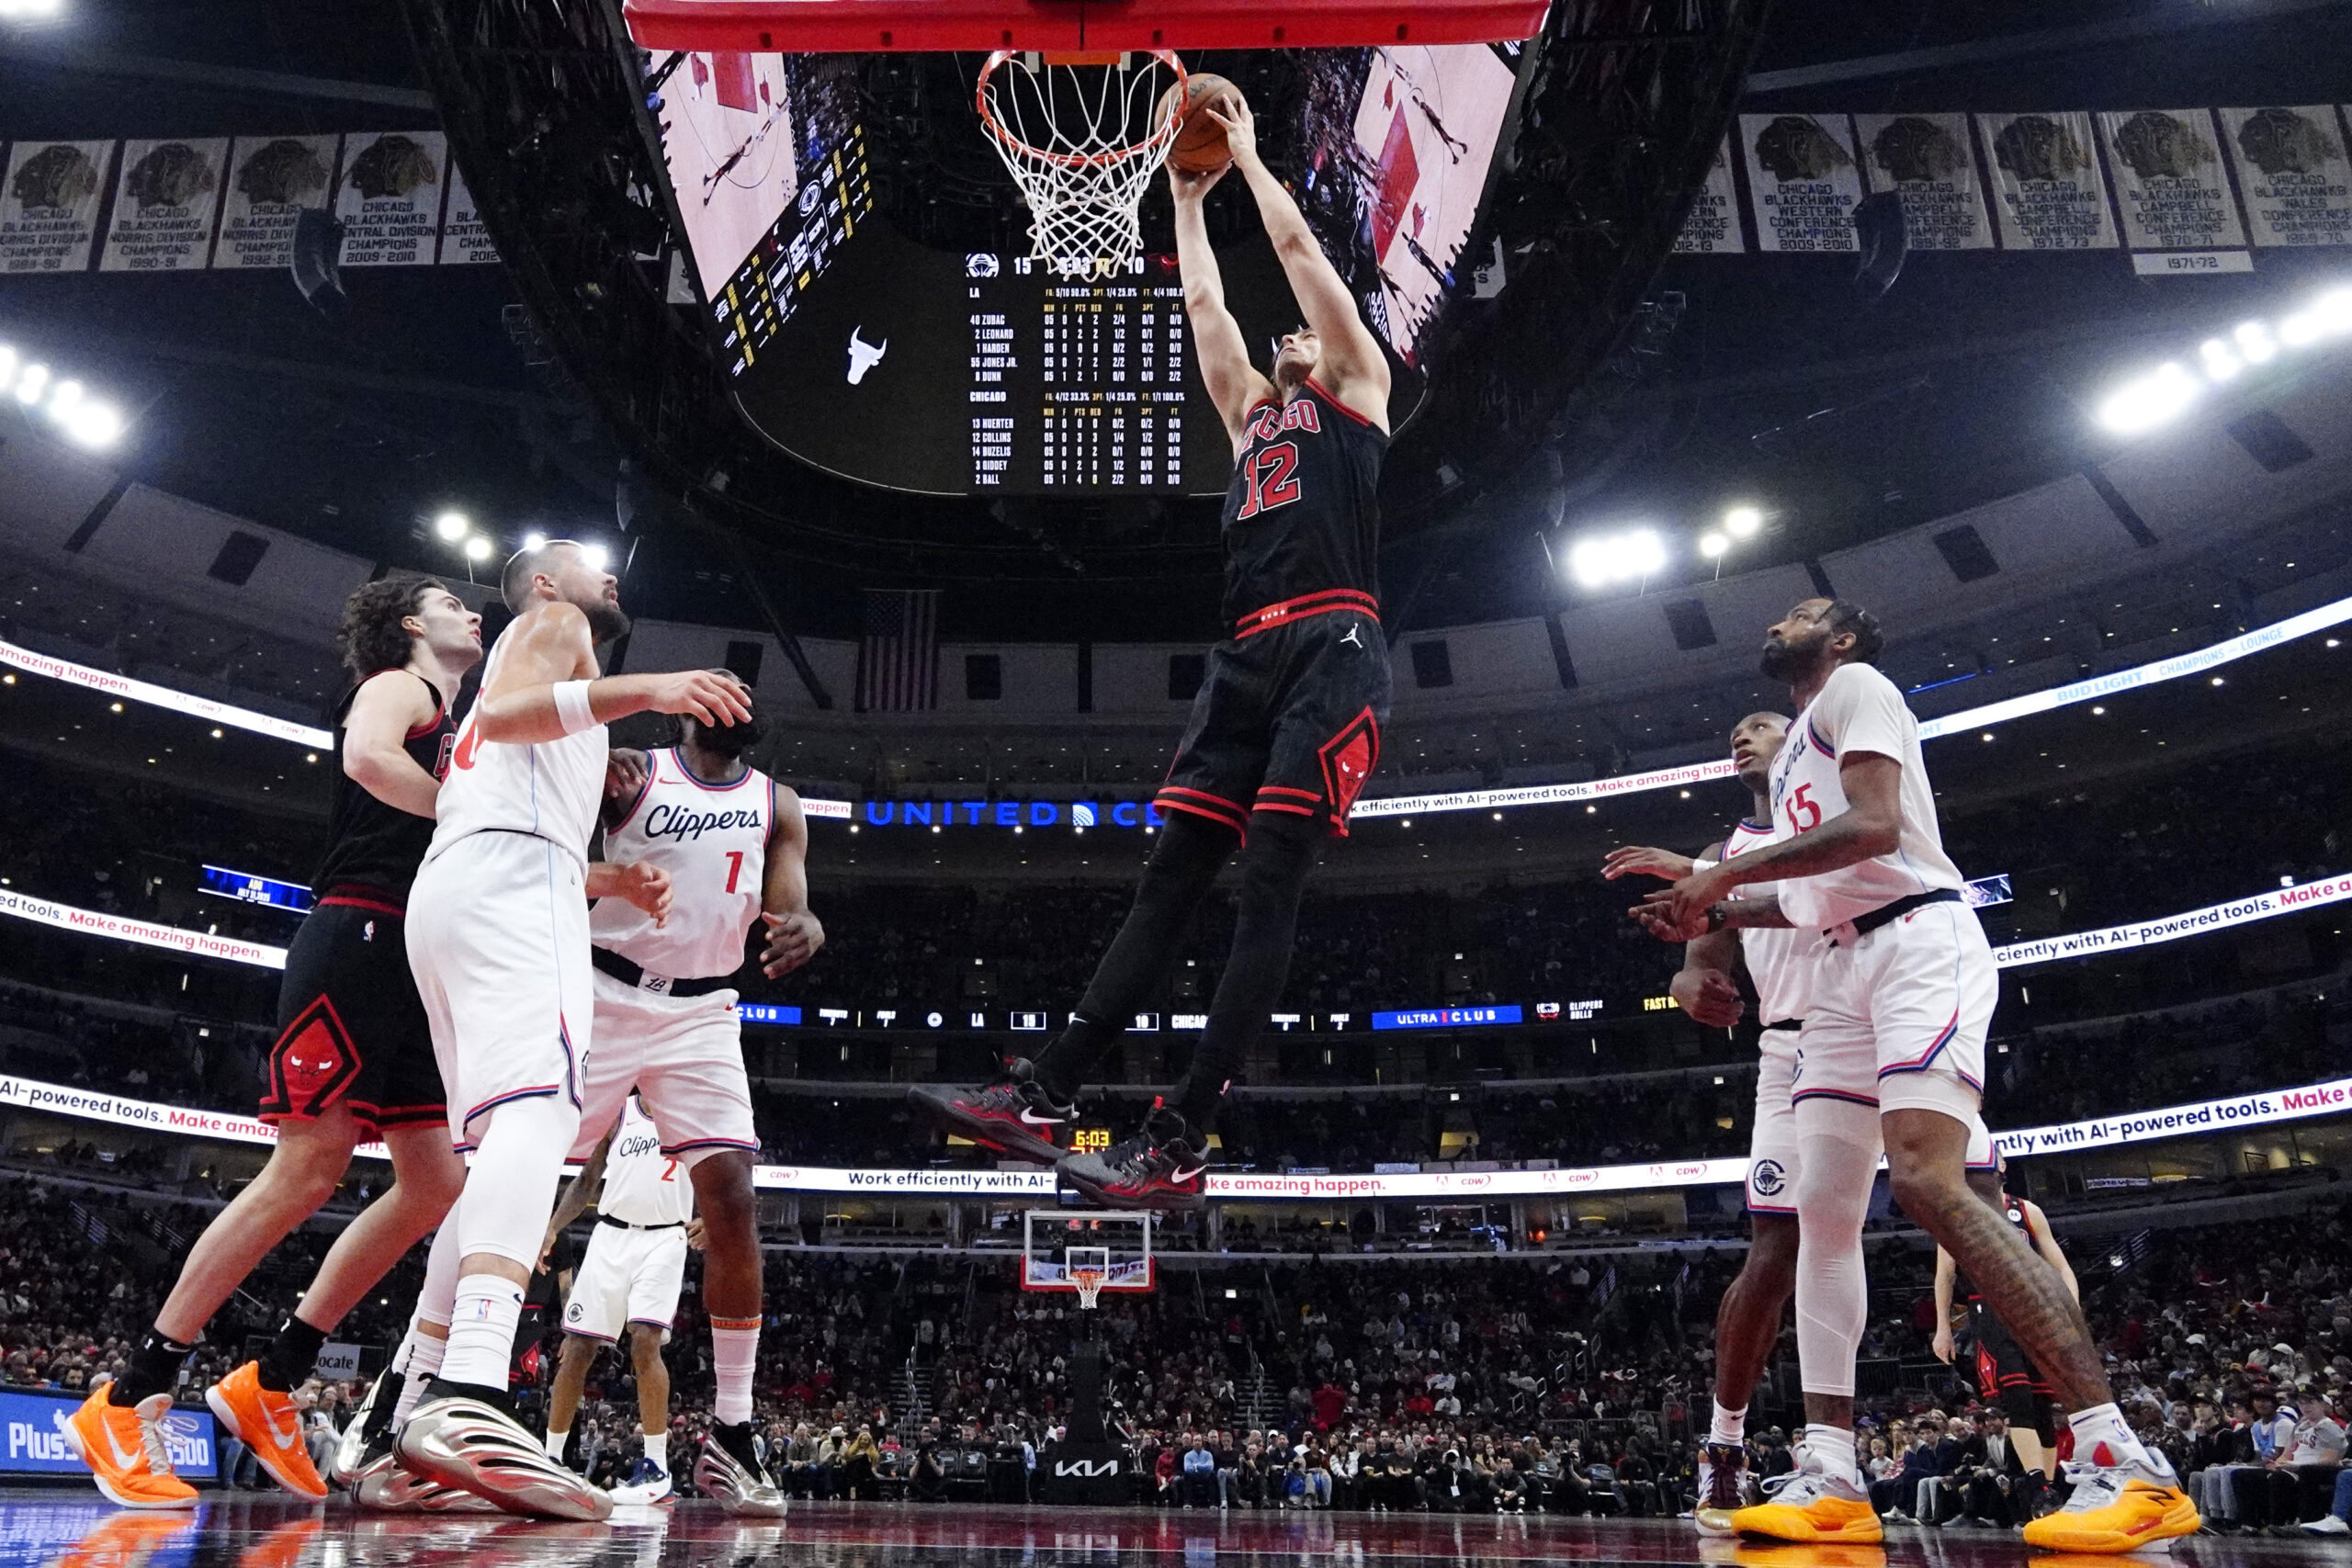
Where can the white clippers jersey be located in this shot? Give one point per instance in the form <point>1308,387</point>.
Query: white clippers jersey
<point>1857,710</point>
<point>643,1185</point>
<point>713,840</point>
<point>550,789</point>
<point>1775,960</point>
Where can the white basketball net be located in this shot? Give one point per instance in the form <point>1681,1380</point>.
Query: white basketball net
<point>1090,1286</point>
<point>1079,143</point>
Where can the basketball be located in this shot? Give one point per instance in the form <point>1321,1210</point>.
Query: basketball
<point>1200,144</point>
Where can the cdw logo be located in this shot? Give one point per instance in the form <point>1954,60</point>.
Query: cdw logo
<point>1090,1468</point>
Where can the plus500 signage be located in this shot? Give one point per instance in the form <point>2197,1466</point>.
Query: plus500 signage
<point>35,1444</point>
<point>1009,814</point>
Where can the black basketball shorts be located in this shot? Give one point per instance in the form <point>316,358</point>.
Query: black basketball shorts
<point>1288,720</point>
<point>2006,1377</point>
<point>351,1030</point>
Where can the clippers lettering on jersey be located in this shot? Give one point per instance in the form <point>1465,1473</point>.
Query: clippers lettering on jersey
<point>685,824</point>
<point>637,1143</point>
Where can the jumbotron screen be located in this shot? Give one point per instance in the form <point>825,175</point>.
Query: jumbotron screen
<point>869,355</point>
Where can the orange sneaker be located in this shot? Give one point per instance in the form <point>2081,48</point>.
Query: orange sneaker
<point>127,1541</point>
<point>1813,1507</point>
<point>266,1422</point>
<point>123,1446</point>
<point>2116,1509</point>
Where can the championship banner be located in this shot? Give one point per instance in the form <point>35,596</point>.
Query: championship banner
<point>205,708</point>
<point>2048,193</point>
<point>1802,179</point>
<point>166,201</point>
<point>465,238</point>
<point>147,933</point>
<point>390,200</point>
<point>271,180</point>
<point>1929,161</point>
<point>2293,173</point>
<point>2169,180</point>
<point>48,205</point>
<point>2171,928</point>
<point>1712,226</point>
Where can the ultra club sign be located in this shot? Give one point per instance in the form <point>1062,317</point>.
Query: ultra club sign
<point>1009,814</point>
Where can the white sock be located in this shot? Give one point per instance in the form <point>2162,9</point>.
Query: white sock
<point>2104,1425</point>
<point>1832,1448</point>
<point>734,1352</point>
<point>1731,1425</point>
<point>481,1331</point>
<point>420,1359</point>
<point>657,1449</point>
<point>555,1443</point>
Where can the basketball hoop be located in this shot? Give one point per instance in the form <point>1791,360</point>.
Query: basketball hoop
<point>1078,135</point>
<point>1089,1282</point>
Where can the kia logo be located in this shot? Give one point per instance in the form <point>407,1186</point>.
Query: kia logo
<point>1093,1469</point>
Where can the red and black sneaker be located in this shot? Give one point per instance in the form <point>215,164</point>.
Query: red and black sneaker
<point>1160,1167</point>
<point>1016,1115</point>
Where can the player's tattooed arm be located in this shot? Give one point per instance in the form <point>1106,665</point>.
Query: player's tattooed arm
<point>574,1201</point>
<point>794,934</point>
<point>1703,987</point>
<point>388,705</point>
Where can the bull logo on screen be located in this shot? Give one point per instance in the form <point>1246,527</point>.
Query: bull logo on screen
<point>863,355</point>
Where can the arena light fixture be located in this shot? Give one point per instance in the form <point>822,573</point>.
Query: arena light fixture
<point>1742,522</point>
<point>30,10</point>
<point>452,526</point>
<point>2255,342</point>
<point>1713,545</point>
<point>2222,361</point>
<point>2148,401</point>
<point>31,381</point>
<point>477,549</point>
<point>534,540</point>
<point>1608,560</point>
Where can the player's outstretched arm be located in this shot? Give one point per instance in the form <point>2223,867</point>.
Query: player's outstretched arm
<point>574,1201</point>
<point>522,705</point>
<point>2047,1244</point>
<point>1870,825</point>
<point>642,883</point>
<point>1353,368</point>
<point>1945,1270</point>
<point>375,732</point>
<point>794,934</point>
<point>1235,386</point>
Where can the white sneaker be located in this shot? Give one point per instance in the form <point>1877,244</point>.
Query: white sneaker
<point>743,1491</point>
<point>383,1487</point>
<point>2329,1524</point>
<point>463,1442</point>
<point>648,1484</point>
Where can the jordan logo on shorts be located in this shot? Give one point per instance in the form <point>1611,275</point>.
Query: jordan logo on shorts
<point>1355,635</point>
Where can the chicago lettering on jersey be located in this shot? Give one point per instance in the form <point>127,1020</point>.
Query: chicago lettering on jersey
<point>683,823</point>
<point>1297,414</point>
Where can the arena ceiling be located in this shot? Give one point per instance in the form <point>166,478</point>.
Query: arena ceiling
<point>1678,386</point>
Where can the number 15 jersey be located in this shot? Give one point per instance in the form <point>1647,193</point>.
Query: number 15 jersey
<point>712,839</point>
<point>1857,709</point>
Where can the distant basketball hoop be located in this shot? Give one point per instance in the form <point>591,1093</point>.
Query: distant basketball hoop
<point>1080,137</point>
<point>1087,1268</point>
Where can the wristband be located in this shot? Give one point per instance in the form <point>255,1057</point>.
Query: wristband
<point>1699,865</point>
<point>571,709</point>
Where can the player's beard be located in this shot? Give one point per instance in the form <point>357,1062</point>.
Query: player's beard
<point>1784,661</point>
<point>728,740</point>
<point>606,621</point>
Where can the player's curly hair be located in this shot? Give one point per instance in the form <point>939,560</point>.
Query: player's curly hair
<point>1870,641</point>
<point>371,636</point>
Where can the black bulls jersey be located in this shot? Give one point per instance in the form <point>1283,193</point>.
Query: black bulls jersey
<point>1303,513</point>
<point>372,847</point>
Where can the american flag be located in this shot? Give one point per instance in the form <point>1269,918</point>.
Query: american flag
<point>898,660</point>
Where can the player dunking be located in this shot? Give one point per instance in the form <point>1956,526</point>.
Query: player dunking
<point>498,937</point>
<point>1286,727</point>
<point>734,843</point>
<point>1893,1044</point>
<point>353,1060</point>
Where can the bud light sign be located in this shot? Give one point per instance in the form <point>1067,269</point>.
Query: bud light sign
<point>34,1441</point>
<point>1079,814</point>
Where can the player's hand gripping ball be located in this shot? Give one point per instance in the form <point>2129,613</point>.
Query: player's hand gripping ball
<point>1200,146</point>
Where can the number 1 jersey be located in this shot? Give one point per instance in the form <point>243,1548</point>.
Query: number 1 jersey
<point>1303,514</point>
<point>712,839</point>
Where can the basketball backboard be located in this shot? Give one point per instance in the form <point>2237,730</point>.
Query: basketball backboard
<point>822,27</point>
<point>1053,1241</point>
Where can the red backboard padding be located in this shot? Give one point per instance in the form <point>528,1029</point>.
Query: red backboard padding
<point>822,27</point>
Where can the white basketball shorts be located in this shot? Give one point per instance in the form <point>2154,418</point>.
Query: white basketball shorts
<point>498,939</point>
<point>1899,1016</point>
<point>1772,1147</point>
<point>685,1058</point>
<point>626,1276</point>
